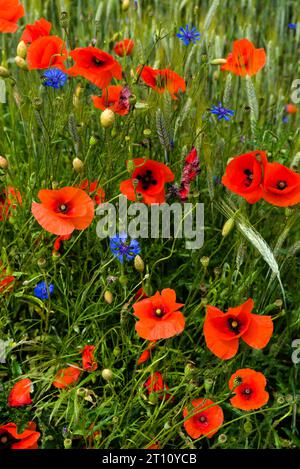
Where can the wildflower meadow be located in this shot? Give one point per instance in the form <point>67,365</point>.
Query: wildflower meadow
<point>149,224</point>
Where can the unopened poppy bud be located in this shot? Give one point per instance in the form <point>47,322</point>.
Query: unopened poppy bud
<point>123,280</point>
<point>139,263</point>
<point>108,297</point>
<point>67,443</point>
<point>107,118</point>
<point>3,162</point>
<point>22,50</point>
<point>204,261</point>
<point>218,62</point>
<point>116,351</point>
<point>222,438</point>
<point>21,63</point>
<point>4,73</point>
<point>93,141</point>
<point>125,5</point>
<point>153,398</point>
<point>248,427</point>
<point>228,225</point>
<point>115,37</point>
<point>107,374</point>
<point>78,165</point>
<point>208,382</point>
<point>130,166</point>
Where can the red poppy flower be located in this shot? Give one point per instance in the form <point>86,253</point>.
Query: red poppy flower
<point>291,109</point>
<point>63,210</point>
<point>66,376</point>
<point>222,331</point>
<point>10,12</point>
<point>9,200</point>
<point>155,384</point>
<point>244,175</point>
<point>245,59</point>
<point>45,52</point>
<point>6,281</point>
<point>96,193</point>
<point>58,241</point>
<point>34,31</point>
<point>20,393</point>
<point>95,65</point>
<point>281,185</point>
<point>146,354</point>
<point>159,316</point>
<point>153,446</point>
<point>88,360</point>
<point>11,439</point>
<point>205,419</point>
<point>151,177</point>
<point>112,99</point>
<point>163,80</point>
<point>124,47</point>
<point>249,388</point>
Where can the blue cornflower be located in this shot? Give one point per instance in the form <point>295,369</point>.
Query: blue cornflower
<point>285,119</point>
<point>121,247</point>
<point>188,35</point>
<point>222,112</point>
<point>292,25</point>
<point>43,291</point>
<point>54,78</point>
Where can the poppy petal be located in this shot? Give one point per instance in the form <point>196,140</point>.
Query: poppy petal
<point>259,332</point>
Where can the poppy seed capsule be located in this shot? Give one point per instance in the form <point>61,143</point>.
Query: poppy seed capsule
<point>204,261</point>
<point>228,225</point>
<point>107,374</point>
<point>21,63</point>
<point>78,165</point>
<point>107,118</point>
<point>22,50</point>
<point>3,162</point>
<point>4,73</point>
<point>139,263</point>
<point>108,297</point>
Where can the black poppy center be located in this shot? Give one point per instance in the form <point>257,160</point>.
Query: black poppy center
<point>6,440</point>
<point>249,177</point>
<point>63,208</point>
<point>202,419</point>
<point>281,185</point>
<point>98,62</point>
<point>147,180</point>
<point>247,392</point>
<point>234,325</point>
<point>159,311</point>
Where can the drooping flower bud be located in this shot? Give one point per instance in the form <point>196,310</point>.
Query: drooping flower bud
<point>22,50</point>
<point>4,73</point>
<point>139,263</point>
<point>218,62</point>
<point>228,225</point>
<point>21,63</point>
<point>107,118</point>
<point>108,297</point>
<point>78,165</point>
<point>125,5</point>
<point>3,162</point>
<point>107,374</point>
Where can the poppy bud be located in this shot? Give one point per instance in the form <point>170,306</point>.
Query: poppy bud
<point>123,280</point>
<point>108,297</point>
<point>147,132</point>
<point>204,261</point>
<point>93,141</point>
<point>67,443</point>
<point>130,166</point>
<point>222,438</point>
<point>229,224</point>
<point>115,37</point>
<point>125,5</point>
<point>3,162</point>
<point>116,351</point>
<point>78,165</point>
<point>218,62</point>
<point>208,382</point>
<point>248,427</point>
<point>107,374</point>
<point>107,118</point>
<point>22,50</point>
<point>139,263</point>
<point>21,63</point>
<point>4,73</point>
